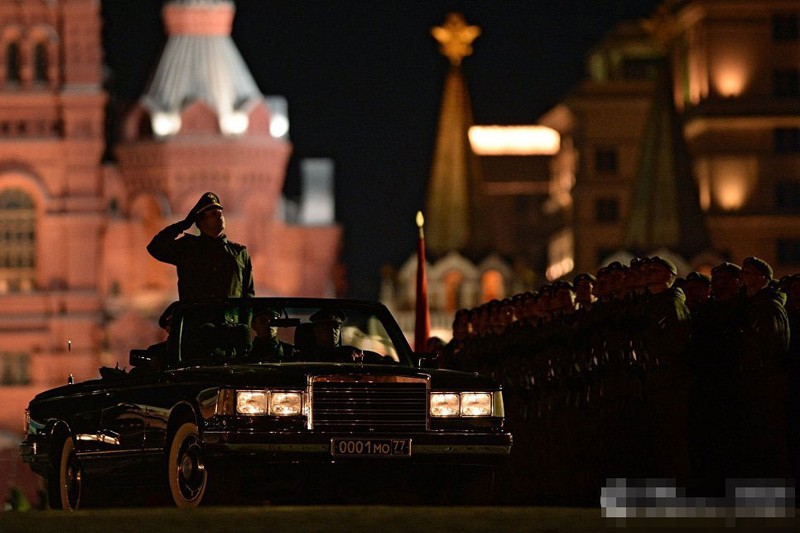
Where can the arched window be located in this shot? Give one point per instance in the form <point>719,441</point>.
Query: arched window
<point>40,62</point>
<point>17,241</point>
<point>452,291</point>
<point>492,286</point>
<point>12,62</point>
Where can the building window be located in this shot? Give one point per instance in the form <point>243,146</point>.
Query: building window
<point>15,369</point>
<point>787,140</point>
<point>785,27</point>
<point>786,82</point>
<point>40,62</point>
<point>787,196</point>
<point>453,281</point>
<point>606,210</point>
<point>12,62</point>
<point>789,251</point>
<point>606,161</point>
<point>17,241</point>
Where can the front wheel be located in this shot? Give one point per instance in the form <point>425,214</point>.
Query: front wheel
<point>186,471</point>
<point>65,485</point>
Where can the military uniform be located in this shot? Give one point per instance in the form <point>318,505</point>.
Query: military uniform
<point>208,267</point>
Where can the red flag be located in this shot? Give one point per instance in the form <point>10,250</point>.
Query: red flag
<point>422,325</point>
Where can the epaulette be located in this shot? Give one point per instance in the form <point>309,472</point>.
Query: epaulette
<point>236,244</point>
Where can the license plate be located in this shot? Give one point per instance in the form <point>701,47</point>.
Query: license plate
<point>371,447</point>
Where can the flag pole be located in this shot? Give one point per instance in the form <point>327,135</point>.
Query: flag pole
<point>422,323</point>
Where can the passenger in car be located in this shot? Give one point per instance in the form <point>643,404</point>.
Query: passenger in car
<point>266,345</point>
<point>304,338</point>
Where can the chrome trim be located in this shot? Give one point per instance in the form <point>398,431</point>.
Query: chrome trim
<point>366,379</point>
<point>98,437</point>
<point>419,449</point>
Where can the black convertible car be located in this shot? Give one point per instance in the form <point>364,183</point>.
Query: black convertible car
<point>271,399</point>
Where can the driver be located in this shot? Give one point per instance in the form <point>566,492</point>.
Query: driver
<point>327,323</point>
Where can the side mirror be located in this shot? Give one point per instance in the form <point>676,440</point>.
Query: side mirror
<point>140,358</point>
<point>428,360</point>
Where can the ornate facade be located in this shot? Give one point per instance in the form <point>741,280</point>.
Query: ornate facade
<point>77,287</point>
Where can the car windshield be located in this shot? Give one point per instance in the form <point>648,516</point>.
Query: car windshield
<point>264,330</point>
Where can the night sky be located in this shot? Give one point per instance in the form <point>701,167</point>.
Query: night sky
<point>364,80</point>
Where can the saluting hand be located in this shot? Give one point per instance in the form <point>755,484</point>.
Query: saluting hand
<point>187,222</point>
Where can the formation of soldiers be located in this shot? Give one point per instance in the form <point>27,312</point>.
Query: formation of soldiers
<point>635,372</point>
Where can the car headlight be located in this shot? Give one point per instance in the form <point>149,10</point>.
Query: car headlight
<point>476,404</point>
<point>466,404</point>
<point>249,402</point>
<point>274,403</point>
<point>286,404</point>
<point>444,404</point>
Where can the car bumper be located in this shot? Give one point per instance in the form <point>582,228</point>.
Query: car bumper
<point>485,448</point>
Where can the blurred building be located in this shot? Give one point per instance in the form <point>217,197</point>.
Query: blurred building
<point>77,288</point>
<point>727,184</point>
<point>683,140</point>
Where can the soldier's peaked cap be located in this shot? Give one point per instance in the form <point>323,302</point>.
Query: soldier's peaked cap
<point>699,277</point>
<point>664,263</point>
<point>208,201</point>
<point>730,268</point>
<point>328,314</point>
<point>760,265</point>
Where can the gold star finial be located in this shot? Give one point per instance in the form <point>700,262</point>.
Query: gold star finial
<point>455,37</point>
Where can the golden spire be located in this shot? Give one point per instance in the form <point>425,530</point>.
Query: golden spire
<point>455,209</point>
<point>455,37</point>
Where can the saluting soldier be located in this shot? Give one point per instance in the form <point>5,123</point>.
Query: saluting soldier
<point>209,265</point>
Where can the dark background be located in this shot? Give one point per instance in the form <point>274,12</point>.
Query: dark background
<point>364,80</point>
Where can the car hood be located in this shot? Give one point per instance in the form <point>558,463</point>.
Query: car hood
<point>296,374</point>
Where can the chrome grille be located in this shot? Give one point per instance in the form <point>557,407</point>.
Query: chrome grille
<point>368,403</point>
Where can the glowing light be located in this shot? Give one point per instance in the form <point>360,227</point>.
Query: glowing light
<point>559,269</point>
<point>731,74</point>
<point>561,255</point>
<point>729,83</point>
<point>279,126</point>
<point>514,140</point>
<point>234,123</point>
<point>732,181</point>
<point>165,124</point>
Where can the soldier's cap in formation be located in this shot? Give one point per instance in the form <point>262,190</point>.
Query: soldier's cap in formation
<point>698,276</point>
<point>208,201</point>
<point>666,263</point>
<point>561,284</point>
<point>616,266</point>
<point>730,268</point>
<point>328,314</point>
<point>585,276</point>
<point>760,265</point>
